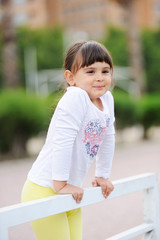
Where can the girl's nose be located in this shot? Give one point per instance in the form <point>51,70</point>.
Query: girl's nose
<point>99,77</point>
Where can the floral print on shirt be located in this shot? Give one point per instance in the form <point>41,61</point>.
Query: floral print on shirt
<point>94,134</point>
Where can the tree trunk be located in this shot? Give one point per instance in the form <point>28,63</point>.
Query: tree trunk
<point>9,54</point>
<point>135,48</point>
<point>19,145</point>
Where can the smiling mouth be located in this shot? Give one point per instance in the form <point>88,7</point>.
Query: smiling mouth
<point>98,87</point>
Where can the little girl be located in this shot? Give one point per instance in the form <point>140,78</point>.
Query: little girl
<point>81,130</point>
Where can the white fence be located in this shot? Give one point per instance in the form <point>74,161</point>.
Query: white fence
<point>45,82</point>
<point>30,211</point>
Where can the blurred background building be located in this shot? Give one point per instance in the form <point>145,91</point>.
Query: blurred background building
<point>84,19</point>
<point>91,16</point>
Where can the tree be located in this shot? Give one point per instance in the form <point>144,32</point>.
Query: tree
<point>134,43</point>
<point>9,53</point>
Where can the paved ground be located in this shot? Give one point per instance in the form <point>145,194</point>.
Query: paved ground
<point>100,220</point>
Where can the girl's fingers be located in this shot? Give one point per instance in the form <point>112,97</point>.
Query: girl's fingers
<point>77,197</point>
<point>106,194</point>
<point>74,196</point>
<point>94,183</point>
<point>106,191</point>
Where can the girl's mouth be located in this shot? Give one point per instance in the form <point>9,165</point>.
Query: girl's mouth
<point>99,87</point>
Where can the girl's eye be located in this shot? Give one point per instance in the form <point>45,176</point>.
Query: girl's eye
<point>105,71</point>
<point>91,71</point>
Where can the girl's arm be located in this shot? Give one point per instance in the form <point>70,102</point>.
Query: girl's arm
<point>103,166</point>
<point>105,157</point>
<point>66,124</point>
<point>62,187</point>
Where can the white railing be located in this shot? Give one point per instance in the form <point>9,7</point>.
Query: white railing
<point>30,211</point>
<point>45,82</point>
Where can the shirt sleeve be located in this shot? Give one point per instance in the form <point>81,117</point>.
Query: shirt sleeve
<point>69,116</point>
<point>106,151</point>
<point>105,157</point>
<point>110,102</point>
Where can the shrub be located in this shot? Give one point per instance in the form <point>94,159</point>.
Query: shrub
<point>151,53</point>
<point>116,42</point>
<point>1,59</point>
<point>131,111</point>
<point>21,116</point>
<point>148,111</point>
<point>125,110</point>
<point>48,43</point>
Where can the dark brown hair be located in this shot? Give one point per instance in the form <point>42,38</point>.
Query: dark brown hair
<point>85,53</point>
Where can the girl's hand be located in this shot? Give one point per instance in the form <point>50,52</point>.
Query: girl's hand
<point>62,187</point>
<point>106,184</point>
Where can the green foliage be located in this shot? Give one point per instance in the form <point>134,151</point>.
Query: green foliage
<point>125,109</point>
<point>151,52</point>
<point>48,44</point>
<point>1,59</point>
<point>131,111</point>
<point>148,111</point>
<point>116,42</point>
<point>21,116</point>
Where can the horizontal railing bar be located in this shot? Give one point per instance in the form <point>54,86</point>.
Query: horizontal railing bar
<point>133,184</point>
<point>133,232</point>
<point>30,211</point>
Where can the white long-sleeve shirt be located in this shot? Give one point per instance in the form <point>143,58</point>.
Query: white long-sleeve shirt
<point>78,133</point>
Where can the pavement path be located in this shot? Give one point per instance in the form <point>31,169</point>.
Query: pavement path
<point>100,220</point>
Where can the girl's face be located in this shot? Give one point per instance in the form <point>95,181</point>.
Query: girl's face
<point>95,79</point>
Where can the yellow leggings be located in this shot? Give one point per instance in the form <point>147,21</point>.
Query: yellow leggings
<point>63,226</point>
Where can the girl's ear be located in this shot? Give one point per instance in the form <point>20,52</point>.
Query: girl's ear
<point>69,78</point>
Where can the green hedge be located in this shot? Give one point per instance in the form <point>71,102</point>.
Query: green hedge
<point>131,111</point>
<point>125,109</point>
<point>23,116</point>
<point>148,111</point>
